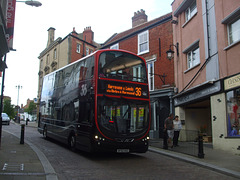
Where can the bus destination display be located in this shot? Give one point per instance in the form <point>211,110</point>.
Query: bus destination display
<point>134,90</point>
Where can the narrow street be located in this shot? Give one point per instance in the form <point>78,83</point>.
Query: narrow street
<point>80,165</point>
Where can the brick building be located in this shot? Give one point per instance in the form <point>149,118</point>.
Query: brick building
<point>207,69</point>
<point>151,40</point>
<point>63,51</point>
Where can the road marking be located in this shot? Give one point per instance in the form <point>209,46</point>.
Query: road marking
<point>13,167</point>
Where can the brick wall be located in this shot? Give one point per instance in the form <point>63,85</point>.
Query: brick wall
<point>160,39</point>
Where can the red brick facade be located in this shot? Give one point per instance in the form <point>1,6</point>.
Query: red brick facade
<point>160,39</point>
<point>86,42</point>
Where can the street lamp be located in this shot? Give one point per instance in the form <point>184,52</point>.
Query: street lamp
<point>170,52</point>
<point>32,3</point>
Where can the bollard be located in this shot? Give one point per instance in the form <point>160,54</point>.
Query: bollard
<point>200,146</point>
<point>22,134</point>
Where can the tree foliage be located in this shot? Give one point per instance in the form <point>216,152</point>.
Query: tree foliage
<point>31,108</point>
<point>8,108</point>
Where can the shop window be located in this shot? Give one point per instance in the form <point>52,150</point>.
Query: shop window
<point>233,112</point>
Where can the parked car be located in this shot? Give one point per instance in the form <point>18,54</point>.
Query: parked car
<point>5,119</point>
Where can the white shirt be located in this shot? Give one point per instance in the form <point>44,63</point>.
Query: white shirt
<point>177,125</point>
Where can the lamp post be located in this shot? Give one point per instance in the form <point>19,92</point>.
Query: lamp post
<point>18,87</point>
<point>32,3</point>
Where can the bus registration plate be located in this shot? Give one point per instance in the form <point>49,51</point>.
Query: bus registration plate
<point>122,150</point>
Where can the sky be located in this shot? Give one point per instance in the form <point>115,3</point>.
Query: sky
<point>105,17</point>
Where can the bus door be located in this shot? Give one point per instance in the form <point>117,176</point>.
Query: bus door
<point>84,127</point>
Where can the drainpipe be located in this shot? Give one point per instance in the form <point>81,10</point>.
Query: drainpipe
<point>208,49</point>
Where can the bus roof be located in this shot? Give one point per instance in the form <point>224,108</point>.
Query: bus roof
<point>92,54</point>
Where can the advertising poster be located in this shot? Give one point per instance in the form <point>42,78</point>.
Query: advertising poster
<point>10,16</point>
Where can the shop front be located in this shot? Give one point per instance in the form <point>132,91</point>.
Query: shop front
<point>212,109</point>
<point>161,106</point>
<point>227,112</point>
<point>232,90</point>
<point>194,110</point>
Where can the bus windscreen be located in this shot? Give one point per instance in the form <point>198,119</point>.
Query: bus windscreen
<point>121,65</point>
<point>121,116</point>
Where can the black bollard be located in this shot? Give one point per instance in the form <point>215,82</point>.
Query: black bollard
<point>22,134</point>
<point>200,146</point>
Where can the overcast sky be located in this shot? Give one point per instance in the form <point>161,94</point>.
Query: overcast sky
<point>105,17</point>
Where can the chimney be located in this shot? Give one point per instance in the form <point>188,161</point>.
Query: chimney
<point>139,18</point>
<point>51,31</point>
<point>88,34</point>
<point>74,32</point>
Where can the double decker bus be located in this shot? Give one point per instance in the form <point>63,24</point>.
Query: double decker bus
<point>98,103</point>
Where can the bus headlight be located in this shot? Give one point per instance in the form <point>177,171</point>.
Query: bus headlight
<point>145,139</point>
<point>99,138</point>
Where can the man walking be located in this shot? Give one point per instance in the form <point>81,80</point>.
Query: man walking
<point>168,126</point>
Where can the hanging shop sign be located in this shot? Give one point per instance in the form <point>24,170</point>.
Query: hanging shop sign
<point>232,82</point>
<point>197,94</point>
<point>10,16</point>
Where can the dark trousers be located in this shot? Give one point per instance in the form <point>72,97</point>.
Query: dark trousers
<point>165,139</point>
<point>175,138</point>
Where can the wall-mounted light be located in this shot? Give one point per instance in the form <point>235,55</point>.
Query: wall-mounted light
<point>170,52</point>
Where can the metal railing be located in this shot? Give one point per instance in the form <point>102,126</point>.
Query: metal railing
<point>190,143</point>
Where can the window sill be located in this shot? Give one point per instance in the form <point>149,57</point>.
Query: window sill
<point>189,20</point>
<point>233,137</point>
<point>231,45</point>
<point>144,52</point>
<point>191,68</point>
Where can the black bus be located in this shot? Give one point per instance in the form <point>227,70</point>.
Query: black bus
<point>98,103</point>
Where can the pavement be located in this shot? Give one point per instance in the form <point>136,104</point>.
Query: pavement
<point>214,159</point>
<point>25,161</point>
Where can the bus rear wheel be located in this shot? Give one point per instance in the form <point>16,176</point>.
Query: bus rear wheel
<point>72,142</point>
